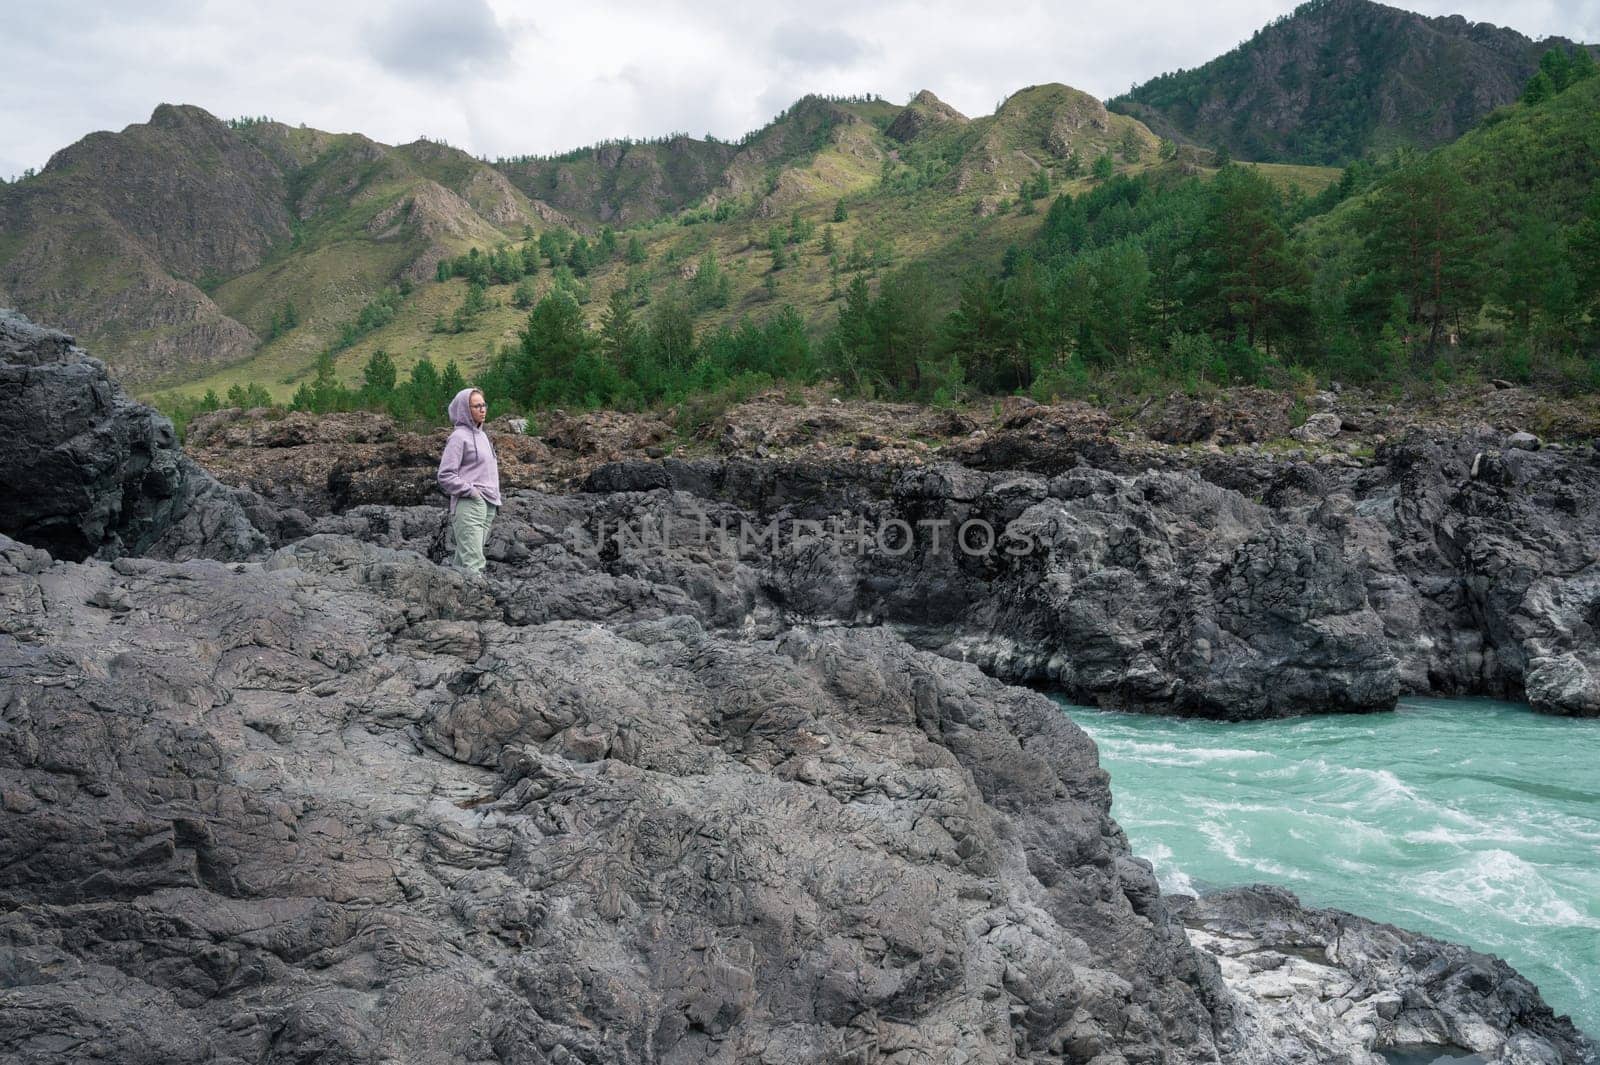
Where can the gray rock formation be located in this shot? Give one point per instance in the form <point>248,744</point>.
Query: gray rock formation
<point>332,806</point>
<point>1524,441</point>
<point>329,806</point>
<point>1318,429</point>
<point>85,471</point>
<point>639,799</point>
<point>1342,985</point>
<point>1248,588</point>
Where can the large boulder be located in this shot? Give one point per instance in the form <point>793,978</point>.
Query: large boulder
<point>85,471</point>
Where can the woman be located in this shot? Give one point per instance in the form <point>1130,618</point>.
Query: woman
<point>470,476</point>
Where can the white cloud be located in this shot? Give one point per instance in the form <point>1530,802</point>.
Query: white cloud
<point>489,77</point>
<point>426,39</point>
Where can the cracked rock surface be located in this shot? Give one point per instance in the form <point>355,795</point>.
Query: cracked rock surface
<point>305,795</point>
<point>331,806</point>
<point>85,471</point>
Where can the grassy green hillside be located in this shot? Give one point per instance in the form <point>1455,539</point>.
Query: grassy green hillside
<point>953,196</point>
<point>327,247</point>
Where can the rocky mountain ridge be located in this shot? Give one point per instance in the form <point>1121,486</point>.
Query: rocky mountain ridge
<point>183,238</point>
<point>186,245</point>
<point>1340,78</point>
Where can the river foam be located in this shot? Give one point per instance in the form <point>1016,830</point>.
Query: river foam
<point>1473,820</point>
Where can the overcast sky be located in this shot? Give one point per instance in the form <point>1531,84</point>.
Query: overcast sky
<point>500,78</point>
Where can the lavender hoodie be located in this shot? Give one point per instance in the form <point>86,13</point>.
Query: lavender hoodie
<point>468,463</point>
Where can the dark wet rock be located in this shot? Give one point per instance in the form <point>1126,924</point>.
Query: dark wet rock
<point>634,476</point>
<point>1237,416</point>
<point>1245,587</point>
<point>85,471</point>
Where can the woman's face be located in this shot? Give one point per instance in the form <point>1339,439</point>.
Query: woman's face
<point>479,407</point>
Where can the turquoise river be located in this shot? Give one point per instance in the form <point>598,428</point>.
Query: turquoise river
<point>1473,820</point>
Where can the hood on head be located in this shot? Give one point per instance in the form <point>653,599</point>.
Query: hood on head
<point>461,409</point>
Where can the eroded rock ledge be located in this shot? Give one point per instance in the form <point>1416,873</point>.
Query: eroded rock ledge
<point>1252,582</point>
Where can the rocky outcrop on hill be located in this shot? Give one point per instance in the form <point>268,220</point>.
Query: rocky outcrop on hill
<point>925,112</point>
<point>85,471</point>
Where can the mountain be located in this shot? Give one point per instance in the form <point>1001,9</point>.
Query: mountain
<point>180,247</point>
<point>173,245</point>
<point>1338,78</point>
<point>626,182</point>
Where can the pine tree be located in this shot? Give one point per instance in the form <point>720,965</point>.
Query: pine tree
<point>555,340</point>
<point>525,296</point>
<point>378,376</point>
<point>671,341</point>
<point>849,346</point>
<point>979,333</point>
<point>619,332</point>
<point>1538,89</point>
<point>1248,281</point>
<point>422,392</point>
<point>905,329</point>
<point>1129,147</point>
<point>327,393</point>
<point>1534,277</point>
<point>711,286</point>
<point>580,257</point>
<point>1424,241</point>
<point>1583,251</point>
<point>1119,278</point>
<point>1556,65</point>
<point>451,381</point>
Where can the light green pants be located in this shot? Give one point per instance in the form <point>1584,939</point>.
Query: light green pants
<point>471,523</point>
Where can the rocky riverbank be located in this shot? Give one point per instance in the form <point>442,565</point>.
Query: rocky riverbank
<point>279,787</point>
<point>1414,552</point>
